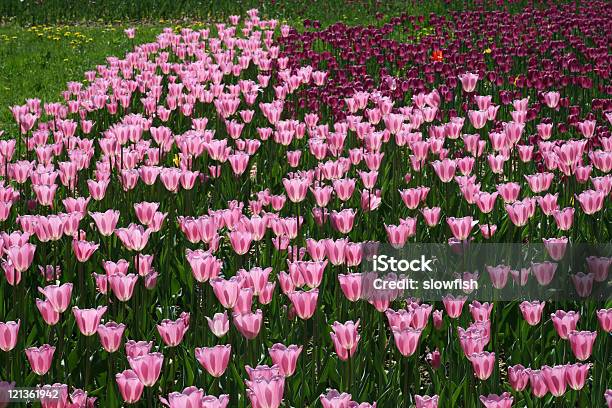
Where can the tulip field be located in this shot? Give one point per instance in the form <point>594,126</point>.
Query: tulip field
<point>190,221</point>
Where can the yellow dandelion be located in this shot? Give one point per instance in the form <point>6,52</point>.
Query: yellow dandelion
<point>487,51</point>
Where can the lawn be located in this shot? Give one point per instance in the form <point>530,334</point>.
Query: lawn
<point>37,61</point>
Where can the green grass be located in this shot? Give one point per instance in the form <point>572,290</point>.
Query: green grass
<point>326,11</point>
<point>38,61</point>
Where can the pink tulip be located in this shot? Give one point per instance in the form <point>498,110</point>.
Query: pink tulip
<point>58,296</point>
<point>483,364</point>
<point>498,275</point>
<point>137,348</point>
<point>431,216</point>
<point>191,397</point>
<point>130,33</point>
<point>604,316</point>
<point>266,393</point>
<point>343,221</point>
<point>519,213</point>
<point>262,371</point>
<point>420,315</point>
<point>285,357</point>
<point>344,188</point>
<point>461,227</point>
<point>538,383</point>
<point>130,386</point>
<point>219,324</point>
<point>204,265</point>
<point>214,359</point>
<point>296,189</point>
<point>351,285</point>
<point>21,256</point>
<point>240,241</point>
<point>83,250</point>
<point>426,401</point>
<point>480,311</point>
<point>106,222</point>
<point>591,201</point>
<point>150,280</point>
<point>8,335</point>
<point>123,285</point>
<point>97,189</point>
<point>406,340</point>
<point>576,375</point>
<point>244,301</point>
<point>582,343</point>
<point>145,212</point>
<point>587,128</point>
<point>532,311</point>
<point>554,377</point>
<point>548,204</point>
<point>147,367</point>
<point>226,291</point>
<point>248,324</point>
<point>50,228</point>
<point>48,313</point>
<point>434,359</point>
<point>173,331</point>
<point>13,276</point>
<point>345,338</point>
<point>120,267</point>
<point>334,399</point>
<point>478,118</point>
<point>5,388</point>
<point>468,81</point>
<point>411,197</point>
<point>437,319</point>
<point>266,295</point>
<point>88,320</point>
<point>564,218</point>
<point>304,302</point>
<point>556,247</point>
<point>256,278</point>
<point>336,251</point>
<point>497,401</point>
<point>599,266</point>
<point>134,237</point>
<point>40,358</point>
<point>544,272</point>
<point>144,263</point>
<point>445,169</point>
<point>210,401</point>
<point>518,377</point>
<point>583,283</point>
<point>564,322</point>
<point>110,335</point>
<point>551,99</point>
<point>453,305</point>
<point>57,396</point>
